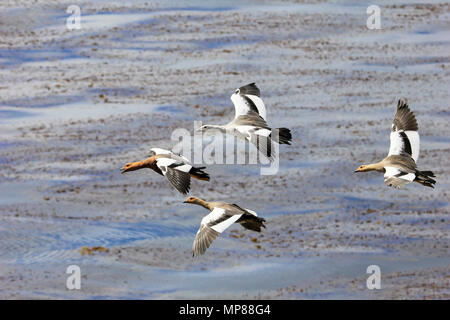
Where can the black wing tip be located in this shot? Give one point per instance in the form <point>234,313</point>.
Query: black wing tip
<point>198,252</point>
<point>182,191</point>
<point>184,188</point>
<point>198,173</point>
<point>284,135</point>
<point>402,104</point>
<point>250,88</point>
<point>404,118</point>
<point>197,255</point>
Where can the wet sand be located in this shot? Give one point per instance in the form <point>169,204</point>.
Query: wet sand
<point>76,105</point>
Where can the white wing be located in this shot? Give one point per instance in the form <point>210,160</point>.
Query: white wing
<point>394,177</point>
<point>203,239</point>
<point>176,172</point>
<point>404,137</point>
<point>251,211</point>
<point>160,151</point>
<point>220,219</point>
<point>164,163</point>
<point>405,142</point>
<point>211,226</point>
<point>264,144</point>
<point>168,152</point>
<point>246,99</point>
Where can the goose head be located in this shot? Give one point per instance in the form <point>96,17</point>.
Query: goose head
<point>131,166</point>
<point>363,168</point>
<point>194,200</point>
<point>209,128</point>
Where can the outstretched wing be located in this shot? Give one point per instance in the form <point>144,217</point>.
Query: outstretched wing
<point>404,137</point>
<point>176,172</point>
<point>211,226</point>
<point>203,239</point>
<point>246,99</point>
<point>255,130</point>
<point>158,151</point>
<point>264,144</point>
<point>250,119</point>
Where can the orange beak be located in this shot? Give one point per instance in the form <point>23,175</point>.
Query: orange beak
<point>129,167</point>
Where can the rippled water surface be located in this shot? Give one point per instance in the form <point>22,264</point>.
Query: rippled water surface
<point>76,105</point>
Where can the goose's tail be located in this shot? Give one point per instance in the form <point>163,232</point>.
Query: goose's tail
<point>250,222</point>
<point>199,174</point>
<point>425,178</point>
<point>284,135</point>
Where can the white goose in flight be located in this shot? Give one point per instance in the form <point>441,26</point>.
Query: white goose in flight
<point>222,216</point>
<point>250,124</point>
<point>400,166</point>
<point>176,168</point>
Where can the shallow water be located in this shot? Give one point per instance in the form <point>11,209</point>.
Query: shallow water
<point>75,106</point>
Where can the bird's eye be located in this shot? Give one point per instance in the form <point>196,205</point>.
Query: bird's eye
<point>237,91</point>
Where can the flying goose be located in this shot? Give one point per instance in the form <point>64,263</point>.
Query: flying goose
<point>222,216</point>
<point>176,168</point>
<point>250,124</point>
<point>399,166</point>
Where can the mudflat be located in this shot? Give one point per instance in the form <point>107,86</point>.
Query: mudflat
<point>76,105</point>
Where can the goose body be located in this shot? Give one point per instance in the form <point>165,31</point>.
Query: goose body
<point>250,124</point>
<point>222,215</point>
<point>176,168</point>
<point>400,167</point>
